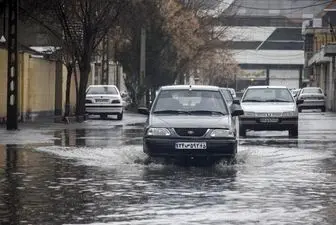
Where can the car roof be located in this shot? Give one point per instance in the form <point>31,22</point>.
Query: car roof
<point>311,88</point>
<point>102,85</point>
<point>192,87</point>
<point>254,87</point>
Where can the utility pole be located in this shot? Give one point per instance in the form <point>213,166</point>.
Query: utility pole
<point>143,101</point>
<point>12,66</point>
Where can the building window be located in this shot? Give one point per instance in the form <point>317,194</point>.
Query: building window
<point>309,43</point>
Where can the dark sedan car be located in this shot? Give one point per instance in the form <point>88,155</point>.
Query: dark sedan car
<point>189,122</point>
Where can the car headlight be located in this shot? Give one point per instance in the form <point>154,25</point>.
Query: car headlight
<point>289,114</point>
<point>221,133</point>
<point>249,114</point>
<point>153,131</point>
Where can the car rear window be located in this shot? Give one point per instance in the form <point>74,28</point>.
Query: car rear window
<point>186,100</point>
<point>312,91</point>
<point>267,95</point>
<point>105,90</point>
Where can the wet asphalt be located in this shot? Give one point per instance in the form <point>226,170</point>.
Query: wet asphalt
<point>94,173</point>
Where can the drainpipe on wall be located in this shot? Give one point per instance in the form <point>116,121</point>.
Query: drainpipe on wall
<point>332,91</point>
<point>332,96</point>
<point>22,89</point>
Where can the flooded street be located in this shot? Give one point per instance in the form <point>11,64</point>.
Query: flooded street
<point>96,174</point>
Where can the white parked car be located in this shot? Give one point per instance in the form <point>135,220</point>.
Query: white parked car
<point>269,108</point>
<point>104,100</point>
<point>233,92</point>
<point>313,97</point>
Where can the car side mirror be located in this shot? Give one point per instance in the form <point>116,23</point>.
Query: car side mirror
<point>236,101</point>
<point>143,111</point>
<point>299,101</point>
<point>237,112</point>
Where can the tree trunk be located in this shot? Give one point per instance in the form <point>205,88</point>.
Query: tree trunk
<point>67,91</point>
<point>75,75</point>
<point>84,68</point>
<point>181,78</point>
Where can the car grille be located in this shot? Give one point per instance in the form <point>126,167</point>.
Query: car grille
<point>273,114</point>
<point>190,132</point>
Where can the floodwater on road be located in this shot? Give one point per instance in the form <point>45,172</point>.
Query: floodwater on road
<point>98,176</point>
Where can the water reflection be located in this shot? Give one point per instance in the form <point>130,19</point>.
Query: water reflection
<point>91,176</point>
<point>40,188</point>
<point>119,135</point>
<point>11,200</point>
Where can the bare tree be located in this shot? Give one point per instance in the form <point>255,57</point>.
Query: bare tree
<point>214,58</point>
<point>61,51</point>
<point>172,37</point>
<point>82,24</point>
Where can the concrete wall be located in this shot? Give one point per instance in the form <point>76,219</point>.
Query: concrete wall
<point>39,94</point>
<point>41,81</point>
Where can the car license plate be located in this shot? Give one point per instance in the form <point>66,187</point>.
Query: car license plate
<point>190,145</point>
<point>269,120</point>
<point>102,100</point>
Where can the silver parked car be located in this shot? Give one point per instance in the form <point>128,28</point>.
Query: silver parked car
<point>269,108</point>
<point>313,97</point>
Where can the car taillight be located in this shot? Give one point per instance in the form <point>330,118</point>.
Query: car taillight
<point>321,97</point>
<point>116,101</point>
<point>88,101</point>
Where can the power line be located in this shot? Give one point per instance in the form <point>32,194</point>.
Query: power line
<point>280,9</point>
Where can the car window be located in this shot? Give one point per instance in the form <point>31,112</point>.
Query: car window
<point>232,91</point>
<point>227,95</point>
<point>186,100</point>
<point>312,91</point>
<point>105,90</point>
<point>267,95</point>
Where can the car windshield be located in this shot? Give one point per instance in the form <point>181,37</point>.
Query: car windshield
<point>267,95</point>
<point>191,102</point>
<point>105,90</point>
<point>312,91</point>
<point>227,95</point>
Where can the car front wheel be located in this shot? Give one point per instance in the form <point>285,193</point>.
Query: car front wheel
<point>294,132</point>
<point>242,131</point>
<point>120,116</point>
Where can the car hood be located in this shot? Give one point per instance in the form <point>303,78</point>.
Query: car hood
<point>189,121</point>
<point>268,106</point>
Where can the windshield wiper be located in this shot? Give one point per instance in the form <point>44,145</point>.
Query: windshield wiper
<point>170,112</point>
<point>253,100</point>
<point>207,112</point>
<point>277,100</point>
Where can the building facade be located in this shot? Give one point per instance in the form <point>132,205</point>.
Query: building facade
<point>320,51</point>
<point>266,39</point>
